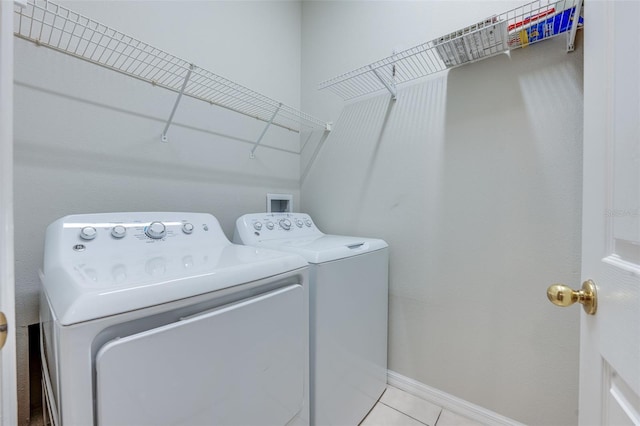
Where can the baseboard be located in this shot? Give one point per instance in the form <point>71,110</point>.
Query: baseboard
<point>447,401</point>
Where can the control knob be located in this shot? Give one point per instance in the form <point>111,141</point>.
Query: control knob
<point>156,230</point>
<point>299,223</point>
<point>285,224</point>
<point>187,228</point>
<point>257,226</point>
<point>88,233</point>
<point>118,231</point>
<point>270,225</point>
<point>307,222</point>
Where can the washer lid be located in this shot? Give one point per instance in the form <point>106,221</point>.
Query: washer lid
<point>110,274</point>
<point>325,248</point>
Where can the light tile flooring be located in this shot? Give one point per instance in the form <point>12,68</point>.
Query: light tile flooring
<point>398,408</point>
<point>395,408</point>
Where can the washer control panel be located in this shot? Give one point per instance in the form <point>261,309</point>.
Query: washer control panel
<point>267,226</point>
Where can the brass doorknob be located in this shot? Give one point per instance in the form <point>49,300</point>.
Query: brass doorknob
<point>3,329</point>
<point>562,295</point>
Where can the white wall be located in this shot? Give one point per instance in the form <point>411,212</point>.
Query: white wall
<point>88,139</point>
<point>474,179</point>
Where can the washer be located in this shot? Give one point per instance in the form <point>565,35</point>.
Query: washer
<point>157,319</point>
<point>348,311</point>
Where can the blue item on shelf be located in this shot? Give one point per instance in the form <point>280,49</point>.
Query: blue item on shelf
<point>552,26</point>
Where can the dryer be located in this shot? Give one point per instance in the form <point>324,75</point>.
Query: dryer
<point>157,319</point>
<point>348,311</point>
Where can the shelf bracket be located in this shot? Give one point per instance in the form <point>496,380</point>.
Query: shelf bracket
<point>273,117</point>
<point>571,35</point>
<point>175,105</point>
<point>391,89</point>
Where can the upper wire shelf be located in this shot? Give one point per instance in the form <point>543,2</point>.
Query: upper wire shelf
<point>516,28</point>
<point>48,24</point>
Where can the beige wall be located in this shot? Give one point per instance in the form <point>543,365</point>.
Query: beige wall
<point>474,179</point>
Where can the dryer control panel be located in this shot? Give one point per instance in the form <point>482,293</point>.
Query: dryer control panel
<point>96,265</point>
<point>126,228</point>
<point>268,226</point>
<point>105,250</point>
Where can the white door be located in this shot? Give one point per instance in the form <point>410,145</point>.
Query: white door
<point>610,339</point>
<point>8,399</point>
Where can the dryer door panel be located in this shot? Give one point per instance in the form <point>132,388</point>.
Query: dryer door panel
<point>239,364</point>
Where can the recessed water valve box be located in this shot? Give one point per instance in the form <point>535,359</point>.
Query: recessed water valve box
<point>279,203</point>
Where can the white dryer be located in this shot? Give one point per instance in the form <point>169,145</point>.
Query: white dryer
<point>157,319</point>
<point>348,311</point>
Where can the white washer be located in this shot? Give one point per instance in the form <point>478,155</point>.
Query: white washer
<point>348,311</point>
<point>157,319</point>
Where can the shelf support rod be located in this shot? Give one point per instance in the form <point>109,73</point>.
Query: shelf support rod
<point>175,105</point>
<point>571,36</point>
<point>391,90</point>
<point>264,131</point>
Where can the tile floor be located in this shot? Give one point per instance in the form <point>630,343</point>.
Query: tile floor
<point>395,408</point>
<point>398,408</point>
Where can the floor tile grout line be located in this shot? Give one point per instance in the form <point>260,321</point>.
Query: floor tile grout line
<point>438,419</point>
<point>411,417</point>
<point>369,412</point>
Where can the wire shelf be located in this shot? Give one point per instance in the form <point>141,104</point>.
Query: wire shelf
<point>516,28</point>
<point>48,24</point>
